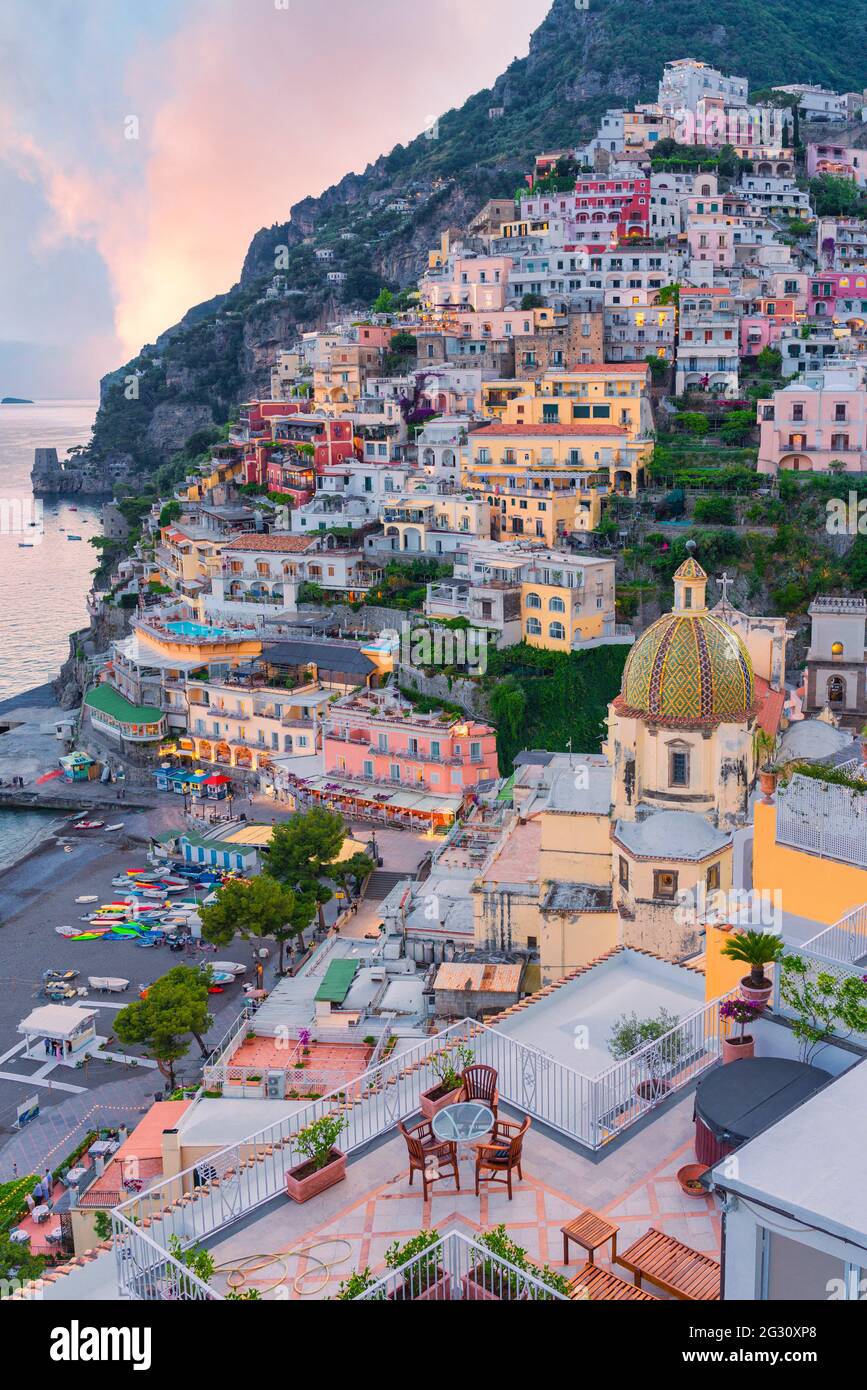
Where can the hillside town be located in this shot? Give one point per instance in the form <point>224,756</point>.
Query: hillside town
<point>518,634</point>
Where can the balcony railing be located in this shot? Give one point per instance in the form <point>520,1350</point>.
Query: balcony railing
<point>457,1267</point>
<point>246,1175</point>
<point>845,941</point>
<point>823,819</point>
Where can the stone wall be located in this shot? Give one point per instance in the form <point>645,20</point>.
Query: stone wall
<point>454,690</point>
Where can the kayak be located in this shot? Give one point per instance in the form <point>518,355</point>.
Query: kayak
<point>89,824</point>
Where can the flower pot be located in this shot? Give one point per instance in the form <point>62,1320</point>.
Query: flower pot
<point>768,783</point>
<point>437,1098</point>
<point>652,1090</point>
<point>304,1181</point>
<point>737,1047</point>
<point>440,1288</point>
<point>474,1287</point>
<point>688,1178</point>
<point>756,994</point>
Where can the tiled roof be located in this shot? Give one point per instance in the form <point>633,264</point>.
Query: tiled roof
<point>284,544</point>
<point>585,430</point>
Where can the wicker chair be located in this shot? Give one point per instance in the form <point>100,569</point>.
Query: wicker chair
<point>479,1082</point>
<point>502,1154</point>
<point>427,1153</point>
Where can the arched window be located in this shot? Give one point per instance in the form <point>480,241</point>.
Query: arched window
<point>557,631</point>
<point>533,601</point>
<point>556,605</point>
<point>534,627</point>
<point>836,691</point>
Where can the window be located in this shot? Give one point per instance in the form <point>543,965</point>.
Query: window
<point>556,605</point>
<point>394,772</point>
<point>557,631</point>
<point>623,872</point>
<point>534,627</point>
<point>533,601</point>
<point>678,769</point>
<point>664,883</point>
<point>712,878</point>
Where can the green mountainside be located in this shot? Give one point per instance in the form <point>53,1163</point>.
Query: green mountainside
<point>580,62</point>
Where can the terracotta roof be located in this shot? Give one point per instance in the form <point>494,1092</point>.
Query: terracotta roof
<point>604,369</point>
<point>489,979</point>
<point>771,704</point>
<point>283,543</point>
<point>587,430</point>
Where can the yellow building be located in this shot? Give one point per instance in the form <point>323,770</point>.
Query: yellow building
<point>566,601</point>
<point>515,456</point>
<point>187,558</point>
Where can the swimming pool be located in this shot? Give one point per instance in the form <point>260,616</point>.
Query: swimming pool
<point>201,633</point>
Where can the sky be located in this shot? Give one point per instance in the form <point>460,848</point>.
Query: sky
<point>143,144</point>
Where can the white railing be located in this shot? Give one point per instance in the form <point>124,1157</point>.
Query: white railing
<point>823,818</point>
<point>151,1274</point>
<point>845,941</point>
<point>227,1044</point>
<point>457,1267</point>
<point>818,964</point>
<point>200,1201</point>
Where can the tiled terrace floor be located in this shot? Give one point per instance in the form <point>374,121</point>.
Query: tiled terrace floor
<point>353,1224</point>
<point>345,1060</point>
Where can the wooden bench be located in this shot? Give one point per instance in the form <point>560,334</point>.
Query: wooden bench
<point>674,1267</point>
<point>593,1285</point>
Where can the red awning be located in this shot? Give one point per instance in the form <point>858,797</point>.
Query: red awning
<point>216,780</point>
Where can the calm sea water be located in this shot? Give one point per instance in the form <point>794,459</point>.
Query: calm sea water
<point>43,589</point>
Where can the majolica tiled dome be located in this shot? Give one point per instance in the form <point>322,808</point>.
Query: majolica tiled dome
<point>689,667</point>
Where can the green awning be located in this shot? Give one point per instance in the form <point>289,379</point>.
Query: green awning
<point>338,978</point>
<point>106,700</point>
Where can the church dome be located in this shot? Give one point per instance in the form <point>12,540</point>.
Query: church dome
<point>689,668</point>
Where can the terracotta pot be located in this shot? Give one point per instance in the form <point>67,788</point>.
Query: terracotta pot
<point>652,1090</point>
<point>756,994</point>
<point>690,1173</point>
<point>437,1099</point>
<point>304,1181</point>
<point>474,1288</point>
<point>735,1048</point>
<point>768,783</point>
<point>441,1288</point>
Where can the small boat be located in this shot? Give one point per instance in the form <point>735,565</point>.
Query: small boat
<point>67,931</point>
<point>108,984</point>
<point>90,824</point>
<point>61,976</point>
<point>70,537</point>
<point>118,826</point>
<point>73,509</point>
<point>228,967</point>
<point>86,898</point>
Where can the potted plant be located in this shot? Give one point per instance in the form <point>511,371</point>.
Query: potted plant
<point>756,949</point>
<point>447,1066</point>
<point>490,1282</point>
<point>323,1165</point>
<point>764,747</point>
<point>424,1277</point>
<point>630,1034</point>
<point>741,1011</point>
<point>357,1284</point>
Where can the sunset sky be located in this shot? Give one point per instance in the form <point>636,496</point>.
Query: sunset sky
<point>238,108</point>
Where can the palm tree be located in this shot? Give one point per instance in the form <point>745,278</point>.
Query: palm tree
<point>756,949</point>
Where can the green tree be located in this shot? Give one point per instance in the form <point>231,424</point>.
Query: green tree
<point>175,1006</point>
<point>835,197</point>
<point>532,301</point>
<point>825,1006</point>
<point>355,869</point>
<point>256,907</point>
<point>384,302</point>
<point>304,852</point>
<point>170,512</point>
<point>770,361</point>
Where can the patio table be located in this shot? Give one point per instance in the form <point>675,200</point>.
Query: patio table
<point>463,1124</point>
<point>41,1213</point>
<point>100,1148</point>
<point>590,1231</point>
<point>74,1176</point>
<point>19,1237</point>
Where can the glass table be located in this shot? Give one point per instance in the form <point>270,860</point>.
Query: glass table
<point>462,1124</point>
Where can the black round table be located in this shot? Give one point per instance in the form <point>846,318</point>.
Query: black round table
<point>736,1102</point>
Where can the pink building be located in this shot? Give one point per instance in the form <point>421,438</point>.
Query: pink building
<point>843,161</point>
<point>609,208</point>
<point>817,421</point>
<point>763,328</point>
<point>838,294</point>
<point>374,738</point>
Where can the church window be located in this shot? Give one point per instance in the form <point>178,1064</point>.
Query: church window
<point>678,770</point>
<point>624,872</point>
<point>836,691</point>
<point>687,598</point>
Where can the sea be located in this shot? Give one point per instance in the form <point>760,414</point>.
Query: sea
<point>44,576</point>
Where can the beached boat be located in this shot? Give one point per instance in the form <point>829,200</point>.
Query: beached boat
<point>230,966</point>
<point>87,898</point>
<point>118,826</point>
<point>108,984</point>
<point>67,931</point>
<point>89,824</point>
